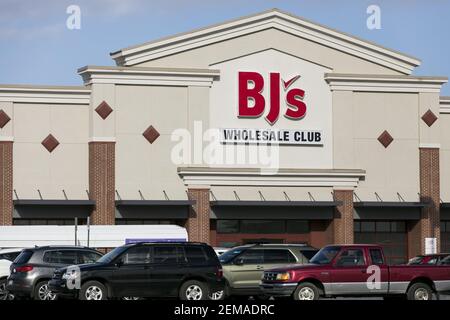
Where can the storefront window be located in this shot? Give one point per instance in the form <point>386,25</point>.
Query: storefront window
<point>383,226</point>
<point>368,226</point>
<point>389,234</point>
<point>297,226</point>
<point>398,226</point>
<point>48,222</point>
<point>227,226</point>
<point>262,226</point>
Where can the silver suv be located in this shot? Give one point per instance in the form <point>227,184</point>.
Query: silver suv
<point>244,266</point>
<point>33,268</point>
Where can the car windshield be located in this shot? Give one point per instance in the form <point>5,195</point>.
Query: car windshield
<point>110,256</point>
<point>325,255</point>
<point>230,255</point>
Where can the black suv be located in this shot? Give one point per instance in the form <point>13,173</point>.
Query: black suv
<point>33,268</point>
<point>190,271</point>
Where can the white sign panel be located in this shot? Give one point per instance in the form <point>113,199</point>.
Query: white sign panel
<point>430,245</point>
<point>278,95</point>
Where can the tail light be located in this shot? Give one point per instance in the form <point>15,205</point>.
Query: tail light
<point>24,269</point>
<point>219,273</point>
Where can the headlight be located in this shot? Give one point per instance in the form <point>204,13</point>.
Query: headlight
<point>283,276</point>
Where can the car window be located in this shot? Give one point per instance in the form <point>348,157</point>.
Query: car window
<point>252,256</point>
<point>415,260</point>
<point>376,256</point>
<point>195,255</point>
<point>278,256</point>
<point>166,254</point>
<point>432,261</point>
<point>88,256</point>
<point>445,261</point>
<point>351,257</point>
<point>136,255</point>
<point>68,257</point>
<point>61,257</point>
<point>308,254</point>
<point>10,256</point>
<point>23,257</point>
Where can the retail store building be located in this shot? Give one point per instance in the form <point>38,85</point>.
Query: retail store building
<point>359,148</point>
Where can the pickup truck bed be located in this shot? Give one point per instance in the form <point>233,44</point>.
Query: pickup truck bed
<point>355,270</point>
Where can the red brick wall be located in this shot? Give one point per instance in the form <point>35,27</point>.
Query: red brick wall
<point>102,181</point>
<point>321,233</point>
<point>343,217</point>
<point>6,182</point>
<point>197,224</point>
<point>430,192</point>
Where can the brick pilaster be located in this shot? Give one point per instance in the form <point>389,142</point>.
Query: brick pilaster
<point>102,181</point>
<point>429,192</point>
<point>6,183</point>
<point>198,221</point>
<point>343,217</point>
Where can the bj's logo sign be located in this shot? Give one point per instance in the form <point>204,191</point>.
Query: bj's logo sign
<point>252,103</point>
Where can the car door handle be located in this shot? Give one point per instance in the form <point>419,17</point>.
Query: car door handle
<point>259,267</point>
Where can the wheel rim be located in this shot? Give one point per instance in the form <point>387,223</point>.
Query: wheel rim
<point>44,293</point>
<point>421,294</point>
<point>306,293</point>
<point>194,292</point>
<point>4,294</point>
<point>217,295</point>
<point>93,293</point>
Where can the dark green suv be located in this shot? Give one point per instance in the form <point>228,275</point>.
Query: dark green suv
<point>243,266</point>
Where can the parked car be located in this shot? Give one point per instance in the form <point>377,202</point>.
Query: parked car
<point>219,250</point>
<point>33,268</point>
<point>430,259</point>
<point>243,266</point>
<point>186,270</point>
<point>7,256</point>
<point>344,270</point>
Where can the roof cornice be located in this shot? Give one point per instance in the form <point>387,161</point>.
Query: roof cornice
<point>269,19</point>
<point>444,103</point>
<point>384,83</point>
<point>336,178</point>
<point>148,76</point>
<point>45,94</point>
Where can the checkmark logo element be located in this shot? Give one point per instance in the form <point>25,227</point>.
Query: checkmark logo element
<point>288,83</point>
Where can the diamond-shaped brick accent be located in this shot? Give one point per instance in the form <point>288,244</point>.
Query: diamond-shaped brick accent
<point>151,134</point>
<point>429,118</point>
<point>4,118</point>
<point>104,110</point>
<point>385,139</point>
<point>50,143</point>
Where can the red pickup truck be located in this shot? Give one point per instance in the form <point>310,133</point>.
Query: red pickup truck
<point>355,270</point>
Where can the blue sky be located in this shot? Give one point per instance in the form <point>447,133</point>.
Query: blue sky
<point>36,47</point>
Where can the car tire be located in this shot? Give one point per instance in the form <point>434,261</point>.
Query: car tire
<point>306,291</point>
<point>193,290</point>
<point>419,291</point>
<point>93,290</point>
<point>5,294</point>
<point>42,292</point>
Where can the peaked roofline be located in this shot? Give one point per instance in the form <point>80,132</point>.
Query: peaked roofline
<point>273,18</point>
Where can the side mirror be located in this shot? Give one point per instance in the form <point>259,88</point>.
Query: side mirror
<point>119,263</point>
<point>239,262</point>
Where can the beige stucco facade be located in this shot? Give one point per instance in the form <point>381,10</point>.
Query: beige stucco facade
<point>187,84</point>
